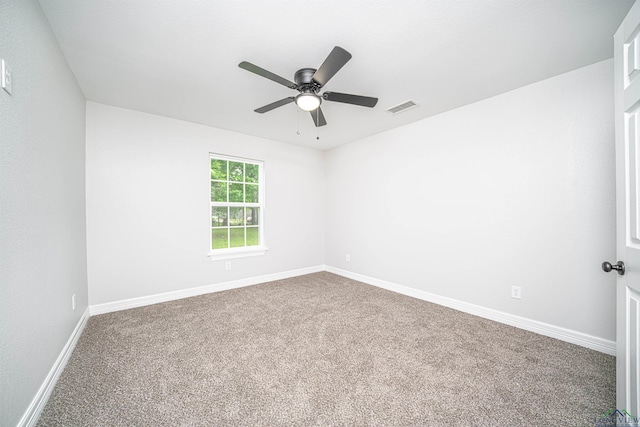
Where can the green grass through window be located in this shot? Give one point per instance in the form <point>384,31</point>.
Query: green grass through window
<point>220,237</point>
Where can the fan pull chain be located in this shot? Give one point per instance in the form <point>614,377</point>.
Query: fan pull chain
<point>317,124</point>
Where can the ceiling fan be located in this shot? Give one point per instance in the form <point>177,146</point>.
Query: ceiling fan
<point>309,81</point>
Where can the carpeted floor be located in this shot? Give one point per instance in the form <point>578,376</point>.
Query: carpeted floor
<point>322,350</point>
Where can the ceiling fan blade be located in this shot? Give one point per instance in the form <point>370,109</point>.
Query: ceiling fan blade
<point>364,101</point>
<point>273,105</point>
<point>318,117</point>
<point>336,60</point>
<point>267,74</point>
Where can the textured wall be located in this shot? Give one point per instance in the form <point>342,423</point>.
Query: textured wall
<point>42,206</point>
<point>148,219</point>
<point>518,189</point>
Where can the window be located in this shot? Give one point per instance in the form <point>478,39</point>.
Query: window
<point>237,207</point>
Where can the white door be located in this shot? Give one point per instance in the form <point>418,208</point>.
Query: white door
<point>627,125</point>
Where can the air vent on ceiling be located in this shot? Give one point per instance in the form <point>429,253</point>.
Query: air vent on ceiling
<point>402,107</point>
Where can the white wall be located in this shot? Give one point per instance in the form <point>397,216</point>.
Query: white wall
<point>148,205</point>
<point>513,190</point>
<point>42,206</point>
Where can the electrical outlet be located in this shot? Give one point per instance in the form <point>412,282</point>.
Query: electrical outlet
<point>73,302</point>
<point>5,76</point>
<point>348,258</point>
<point>227,265</point>
<point>516,292</point>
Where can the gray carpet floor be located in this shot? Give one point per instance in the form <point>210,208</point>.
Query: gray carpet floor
<point>322,350</point>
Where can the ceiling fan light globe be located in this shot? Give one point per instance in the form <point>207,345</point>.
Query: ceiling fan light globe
<point>308,101</point>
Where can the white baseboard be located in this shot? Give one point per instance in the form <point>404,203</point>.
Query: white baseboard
<point>568,335</point>
<point>201,290</point>
<point>32,413</point>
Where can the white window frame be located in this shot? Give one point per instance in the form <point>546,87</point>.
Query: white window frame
<point>244,251</point>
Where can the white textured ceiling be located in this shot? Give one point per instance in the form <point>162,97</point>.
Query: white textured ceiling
<point>180,58</point>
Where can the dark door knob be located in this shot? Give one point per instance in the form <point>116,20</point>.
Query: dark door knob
<point>619,267</point>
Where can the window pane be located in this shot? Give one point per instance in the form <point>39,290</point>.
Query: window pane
<point>219,238</point>
<point>253,214</point>
<point>253,236</point>
<point>237,237</point>
<point>236,192</point>
<point>251,173</point>
<point>236,216</point>
<point>252,193</point>
<point>236,171</point>
<point>219,169</point>
<point>218,191</point>
<point>219,216</point>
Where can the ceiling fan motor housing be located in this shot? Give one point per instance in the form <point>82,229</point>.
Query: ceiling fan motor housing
<point>304,80</point>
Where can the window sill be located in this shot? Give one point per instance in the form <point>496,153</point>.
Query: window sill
<point>237,253</point>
